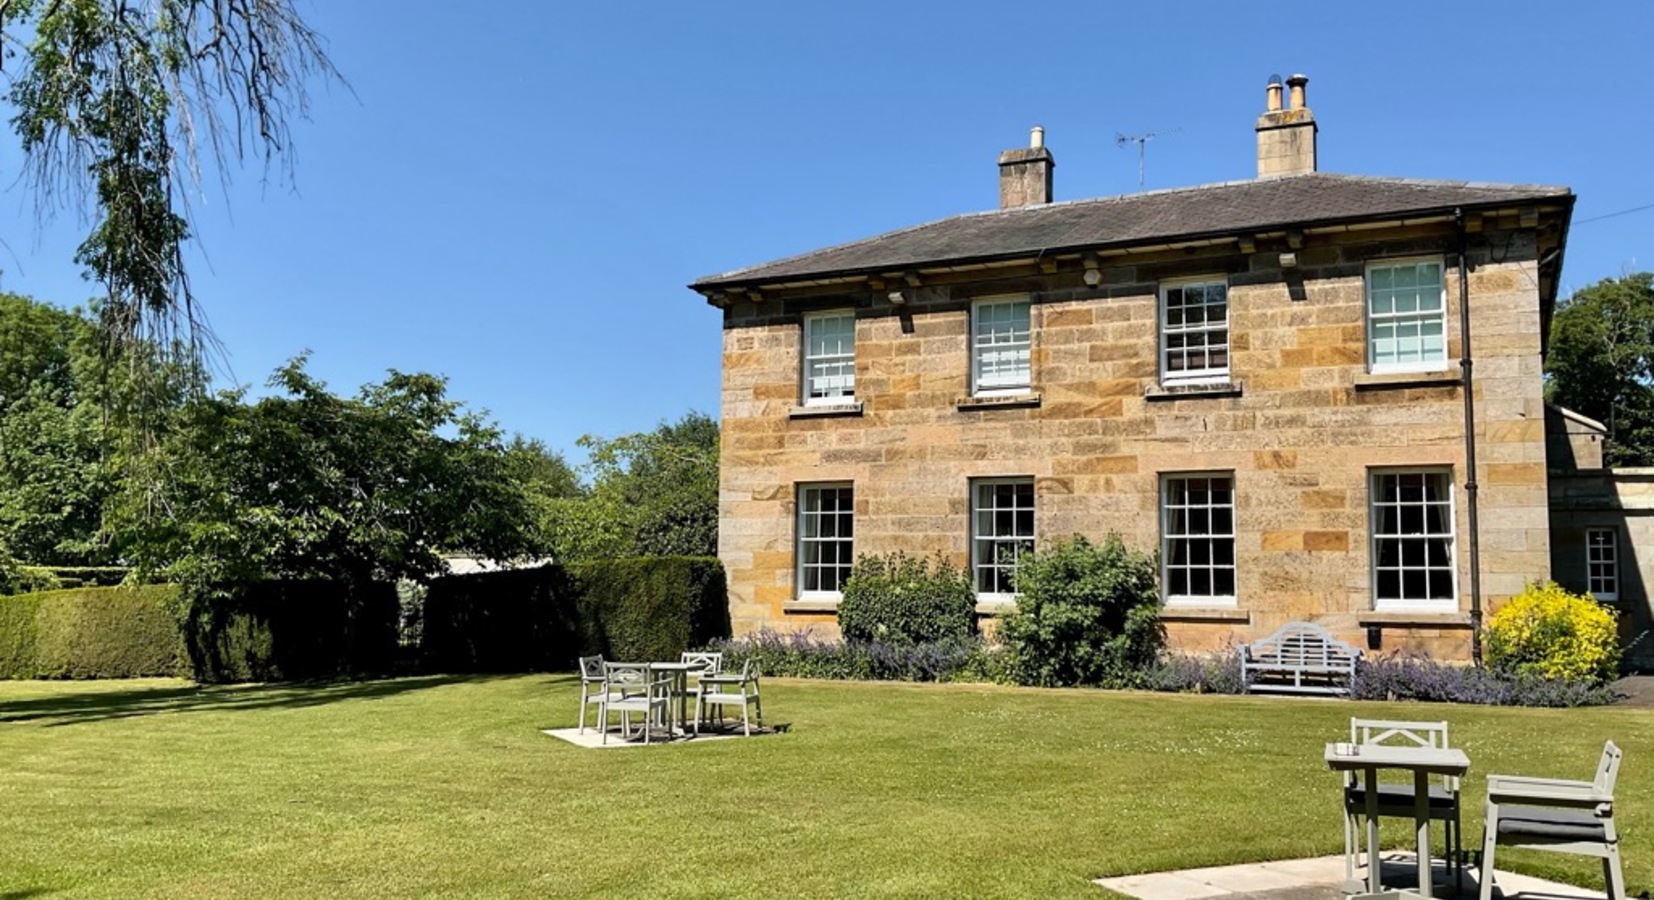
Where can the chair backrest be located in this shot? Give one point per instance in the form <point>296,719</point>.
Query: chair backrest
<point>714,661</point>
<point>591,668</point>
<point>628,674</point>
<point>1608,770</point>
<point>1382,732</point>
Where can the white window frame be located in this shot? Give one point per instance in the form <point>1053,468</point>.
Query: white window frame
<point>1607,588</point>
<point>801,538</point>
<point>1404,604</point>
<point>1000,387</point>
<point>1371,319</point>
<point>1209,374</point>
<point>1167,538</point>
<point>812,321</point>
<point>1015,539</point>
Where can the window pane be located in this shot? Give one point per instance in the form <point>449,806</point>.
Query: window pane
<point>1194,334</point>
<point>1412,533</point>
<point>825,548</point>
<point>829,356</point>
<point>1003,522</point>
<point>1197,539</point>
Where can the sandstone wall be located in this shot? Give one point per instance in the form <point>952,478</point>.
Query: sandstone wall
<point>1299,436</point>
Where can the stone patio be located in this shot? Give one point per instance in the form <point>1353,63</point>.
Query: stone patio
<point>1322,878</point>
<point>593,739</point>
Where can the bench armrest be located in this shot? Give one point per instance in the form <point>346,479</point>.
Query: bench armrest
<point>1546,792</point>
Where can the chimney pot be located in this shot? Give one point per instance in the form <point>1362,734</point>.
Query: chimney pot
<point>1296,85</point>
<point>1025,173</point>
<point>1273,94</point>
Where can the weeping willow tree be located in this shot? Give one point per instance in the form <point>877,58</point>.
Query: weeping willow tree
<point>121,105</point>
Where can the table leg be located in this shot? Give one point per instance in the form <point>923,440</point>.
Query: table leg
<point>683,701</point>
<point>1371,783</point>
<point>1421,822</point>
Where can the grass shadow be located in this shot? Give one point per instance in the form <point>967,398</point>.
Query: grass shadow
<point>26,893</point>
<point>99,706</point>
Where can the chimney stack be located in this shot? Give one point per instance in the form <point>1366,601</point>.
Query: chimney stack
<point>1025,175</point>
<point>1286,137</point>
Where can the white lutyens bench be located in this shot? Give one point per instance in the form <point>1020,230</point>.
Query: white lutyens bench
<point>1300,657</point>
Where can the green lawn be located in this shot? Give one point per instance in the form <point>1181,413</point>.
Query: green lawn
<point>445,788</point>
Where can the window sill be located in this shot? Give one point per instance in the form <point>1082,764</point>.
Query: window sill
<point>995,606</point>
<point>1414,619</point>
<point>1195,391</point>
<point>825,410</point>
<point>998,401</point>
<point>1380,381</point>
<point>1205,614</point>
<point>810,606</point>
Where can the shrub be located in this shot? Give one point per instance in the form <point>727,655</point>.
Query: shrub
<point>109,632</point>
<point>291,630</point>
<point>650,607</point>
<point>21,579</point>
<point>81,576</point>
<point>798,655</point>
<point>542,619</point>
<point>1086,614</point>
<point>1547,632</point>
<point>18,635</point>
<point>899,599</point>
<point>1193,673</point>
<point>1406,677</point>
<point>91,633</point>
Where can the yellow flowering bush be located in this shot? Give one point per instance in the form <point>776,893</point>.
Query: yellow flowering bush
<point>1549,632</point>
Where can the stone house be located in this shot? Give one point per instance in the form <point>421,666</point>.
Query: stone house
<point>1318,397</point>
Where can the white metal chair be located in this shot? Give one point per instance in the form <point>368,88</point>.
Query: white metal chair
<point>1557,815</point>
<point>634,687</point>
<point>594,683</point>
<point>719,691</point>
<point>1396,799</point>
<point>712,662</point>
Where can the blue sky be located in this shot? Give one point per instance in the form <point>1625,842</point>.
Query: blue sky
<point>515,193</point>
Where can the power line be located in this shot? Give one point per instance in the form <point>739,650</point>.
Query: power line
<point>1623,212</point>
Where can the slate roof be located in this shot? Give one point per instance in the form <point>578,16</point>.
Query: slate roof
<point>1146,218</point>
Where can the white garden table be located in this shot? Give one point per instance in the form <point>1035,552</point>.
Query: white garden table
<point>1423,762</point>
<point>679,671</point>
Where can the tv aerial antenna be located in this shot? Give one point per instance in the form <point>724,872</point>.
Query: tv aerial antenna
<point>1141,140</point>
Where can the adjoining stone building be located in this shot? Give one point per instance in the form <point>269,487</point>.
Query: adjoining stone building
<point>1265,380</point>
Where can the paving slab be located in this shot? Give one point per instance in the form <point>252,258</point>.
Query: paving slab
<point>592,739</point>
<point>1322,878</point>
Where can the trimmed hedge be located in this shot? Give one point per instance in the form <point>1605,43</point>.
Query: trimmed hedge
<point>543,619</point>
<point>91,633</point>
<point>80,576</point>
<point>294,630</point>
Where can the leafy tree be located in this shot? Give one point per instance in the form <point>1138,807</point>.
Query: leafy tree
<point>308,484</point>
<point>62,448</point>
<point>1601,363</point>
<point>115,101</point>
<point>546,478</point>
<point>653,493</point>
